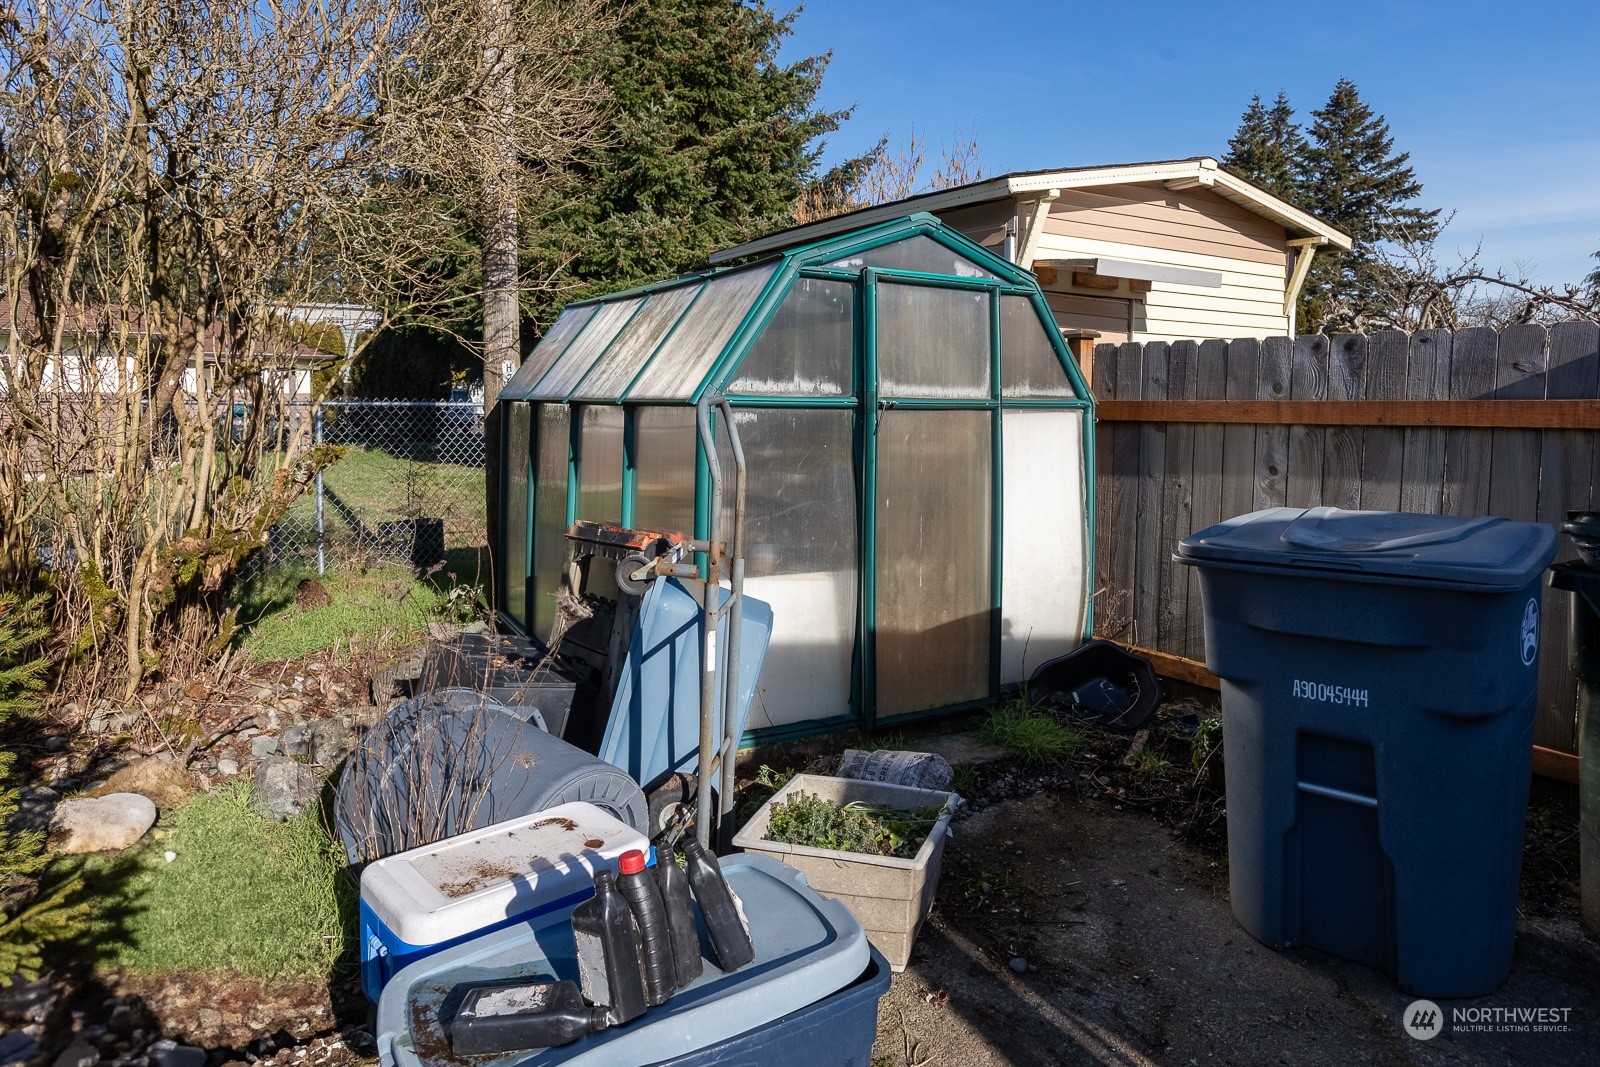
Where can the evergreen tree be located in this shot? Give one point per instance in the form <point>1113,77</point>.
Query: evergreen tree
<point>1268,148</point>
<point>31,916</point>
<point>711,140</point>
<point>1351,177</point>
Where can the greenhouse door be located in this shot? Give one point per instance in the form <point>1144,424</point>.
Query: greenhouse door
<point>932,447</point>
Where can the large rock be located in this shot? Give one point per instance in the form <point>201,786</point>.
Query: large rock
<point>285,788</point>
<point>331,741</point>
<point>103,823</point>
<point>162,781</point>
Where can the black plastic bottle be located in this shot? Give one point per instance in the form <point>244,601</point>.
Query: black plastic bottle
<point>725,922</point>
<point>674,883</point>
<point>639,889</point>
<point>510,1018</point>
<point>610,958</point>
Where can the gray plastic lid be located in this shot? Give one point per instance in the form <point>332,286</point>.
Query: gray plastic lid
<point>1486,553</point>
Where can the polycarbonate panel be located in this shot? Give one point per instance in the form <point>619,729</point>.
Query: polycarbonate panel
<point>633,346</point>
<point>551,444</point>
<point>933,342</point>
<point>600,463</point>
<point>933,555</point>
<point>682,363</point>
<point>805,349</point>
<point>514,511</point>
<point>800,555</point>
<point>663,469</point>
<point>1028,363</point>
<point>546,352</point>
<point>1044,592</point>
<point>916,253</point>
<point>582,353</point>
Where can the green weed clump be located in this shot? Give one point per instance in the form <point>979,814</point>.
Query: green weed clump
<point>809,820</point>
<point>1031,735</point>
<point>380,607</point>
<point>241,895</point>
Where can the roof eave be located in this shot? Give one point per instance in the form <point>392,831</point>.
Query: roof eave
<point>1204,171</point>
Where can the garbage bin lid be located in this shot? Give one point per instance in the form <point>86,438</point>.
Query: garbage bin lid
<point>1485,552</point>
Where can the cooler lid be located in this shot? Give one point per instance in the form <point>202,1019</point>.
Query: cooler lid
<point>441,891</point>
<point>807,948</point>
<point>1484,552</point>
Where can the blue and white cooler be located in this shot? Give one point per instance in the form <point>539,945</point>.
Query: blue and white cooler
<point>416,903</point>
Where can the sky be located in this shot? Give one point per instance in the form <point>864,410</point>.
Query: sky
<point>1498,104</point>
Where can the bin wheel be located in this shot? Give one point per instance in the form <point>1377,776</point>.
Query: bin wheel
<point>625,568</point>
<point>672,807</point>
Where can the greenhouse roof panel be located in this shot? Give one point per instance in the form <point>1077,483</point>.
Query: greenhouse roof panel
<point>687,356</point>
<point>635,344</point>
<point>919,253</point>
<point>575,362</point>
<point>547,351</point>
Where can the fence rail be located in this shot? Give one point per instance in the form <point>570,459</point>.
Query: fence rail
<point>1467,423</point>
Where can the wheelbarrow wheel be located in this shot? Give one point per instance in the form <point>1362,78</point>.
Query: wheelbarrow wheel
<point>625,570</point>
<point>672,806</point>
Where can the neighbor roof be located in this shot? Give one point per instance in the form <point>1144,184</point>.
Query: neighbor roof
<point>1201,171</point>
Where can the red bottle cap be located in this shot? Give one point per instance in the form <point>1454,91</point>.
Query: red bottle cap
<point>631,862</point>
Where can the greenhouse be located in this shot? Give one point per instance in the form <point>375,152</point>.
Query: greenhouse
<point>917,440</point>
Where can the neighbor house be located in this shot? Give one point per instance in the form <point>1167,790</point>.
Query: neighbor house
<point>1169,251</point>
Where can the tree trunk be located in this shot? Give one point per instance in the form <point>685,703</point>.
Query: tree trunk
<point>502,315</point>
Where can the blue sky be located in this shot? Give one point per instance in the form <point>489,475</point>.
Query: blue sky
<point>1498,104</point>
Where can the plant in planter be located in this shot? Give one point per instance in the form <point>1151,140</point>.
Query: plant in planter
<point>874,847</point>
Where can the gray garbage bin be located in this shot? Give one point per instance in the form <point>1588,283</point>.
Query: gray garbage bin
<point>1378,676</point>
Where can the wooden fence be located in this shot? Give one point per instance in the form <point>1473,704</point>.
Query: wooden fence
<point>1468,423</point>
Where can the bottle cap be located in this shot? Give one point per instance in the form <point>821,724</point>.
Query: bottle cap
<point>631,862</point>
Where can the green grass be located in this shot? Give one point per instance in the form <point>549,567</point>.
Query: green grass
<point>380,607</point>
<point>1030,734</point>
<point>380,487</point>
<point>242,896</point>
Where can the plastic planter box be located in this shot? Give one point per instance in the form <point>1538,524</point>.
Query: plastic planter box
<point>890,896</point>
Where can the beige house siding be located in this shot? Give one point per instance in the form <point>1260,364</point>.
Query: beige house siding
<point>1195,229</point>
<point>1150,223</point>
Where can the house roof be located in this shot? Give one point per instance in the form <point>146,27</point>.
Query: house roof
<point>1199,171</point>
<point>108,319</point>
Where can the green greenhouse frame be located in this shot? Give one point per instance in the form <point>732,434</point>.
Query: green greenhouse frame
<point>919,443</point>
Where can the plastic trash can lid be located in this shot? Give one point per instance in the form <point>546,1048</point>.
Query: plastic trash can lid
<point>1484,552</point>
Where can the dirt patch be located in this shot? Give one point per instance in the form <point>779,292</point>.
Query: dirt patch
<point>1129,954</point>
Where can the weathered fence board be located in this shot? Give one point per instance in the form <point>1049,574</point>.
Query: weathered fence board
<point>1165,476</point>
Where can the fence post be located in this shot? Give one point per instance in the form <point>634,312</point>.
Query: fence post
<point>316,440</point>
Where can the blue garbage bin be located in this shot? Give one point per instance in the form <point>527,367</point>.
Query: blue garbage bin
<point>1378,678</point>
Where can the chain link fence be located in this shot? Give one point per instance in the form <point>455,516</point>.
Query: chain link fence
<point>408,488</point>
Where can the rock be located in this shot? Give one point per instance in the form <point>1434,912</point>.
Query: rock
<point>35,805</point>
<point>98,824</point>
<point>296,741</point>
<point>1019,965</point>
<point>55,743</point>
<point>196,690</point>
<point>166,1053</point>
<point>163,781</point>
<point>78,1055</point>
<point>263,746</point>
<point>209,1018</point>
<point>331,741</point>
<point>227,767</point>
<point>285,788</point>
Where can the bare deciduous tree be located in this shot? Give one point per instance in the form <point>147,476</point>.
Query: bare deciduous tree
<point>890,177</point>
<point>179,180</point>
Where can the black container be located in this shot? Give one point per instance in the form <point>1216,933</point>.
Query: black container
<point>1100,683</point>
<point>610,955</point>
<point>517,673</point>
<point>639,889</point>
<point>510,1018</point>
<point>674,883</point>
<point>730,937</point>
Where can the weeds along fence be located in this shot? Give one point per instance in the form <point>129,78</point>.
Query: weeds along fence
<point>1473,422</point>
<point>409,487</point>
